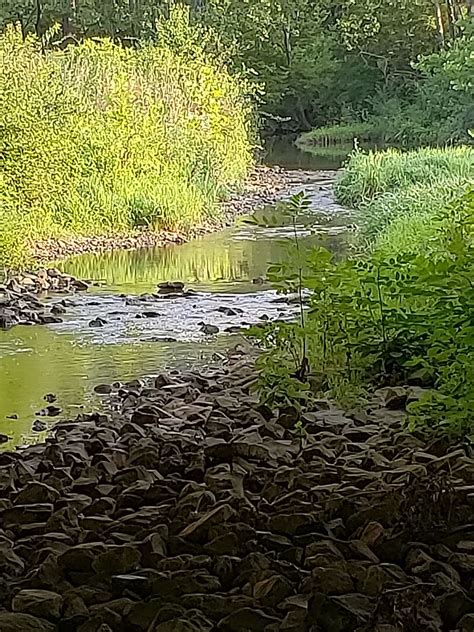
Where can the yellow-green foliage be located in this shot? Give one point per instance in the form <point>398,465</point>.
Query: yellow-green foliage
<point>100,139</point>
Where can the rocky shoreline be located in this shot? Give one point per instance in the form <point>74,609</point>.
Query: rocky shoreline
<point>19,302</point>
<point>188,506</point>
<point>265,186</point>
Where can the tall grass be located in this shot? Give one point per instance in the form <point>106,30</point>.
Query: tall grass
<point>397,194</point>
<point>101,139</point>
<point>340,134</point>
<point>369,174</point>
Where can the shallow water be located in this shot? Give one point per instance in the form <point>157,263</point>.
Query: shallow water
<point>71,357</point>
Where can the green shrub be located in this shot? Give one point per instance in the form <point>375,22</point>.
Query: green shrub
<point>102,139</point>
<point>402,310</point>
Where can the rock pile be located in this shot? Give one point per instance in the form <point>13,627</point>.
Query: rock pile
<point>190,507</point>
<point>44,280</point>
<point>19,304</point>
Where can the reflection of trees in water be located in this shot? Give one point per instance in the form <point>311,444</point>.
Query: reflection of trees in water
<point>200,261</point>
<point>203,261</point>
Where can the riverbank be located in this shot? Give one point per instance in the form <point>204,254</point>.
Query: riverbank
<point>187,505</point>
<point>399,310</point>
<point>265,186</point>
<point>142,141</point>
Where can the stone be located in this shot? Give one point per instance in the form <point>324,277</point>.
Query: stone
<point>229,311</point>
<point>392,397</point>
<point>49,411</point>
<point>97,322</point>
<point>77,284</point>
<point>39,603</point>
<point>343,614</point>
<point>18,622</point>
<point>37,492</point>
<point>209,330</point>
<point>39,426</point>
<point>170,287</point>
<point>135,584</point>
<point>331,581</point>
<point>216,516</point>
<point>117,560</point>
<point>233,329</point>
<point>81,557</point>
<point>272,591</point>
<point>103,389</point>
<point>466,624</point>
<point>248,619</point>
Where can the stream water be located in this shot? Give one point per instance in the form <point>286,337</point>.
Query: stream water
<point>69,358</point>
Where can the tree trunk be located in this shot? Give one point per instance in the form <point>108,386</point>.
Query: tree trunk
<point>452,19</point>
<point>439,24</point>
<point>38,17</point>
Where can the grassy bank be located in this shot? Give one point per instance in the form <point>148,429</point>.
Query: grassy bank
<point>397,194</point>
<point>401,312</point>
<point>100,139</point>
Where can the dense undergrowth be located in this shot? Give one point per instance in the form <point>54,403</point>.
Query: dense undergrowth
<point>98,138</point>
<point>439,107</point>
<point>399,311</point>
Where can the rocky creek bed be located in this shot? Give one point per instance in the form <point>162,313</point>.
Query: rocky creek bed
<point>19,302</point>
<point>188,506</point>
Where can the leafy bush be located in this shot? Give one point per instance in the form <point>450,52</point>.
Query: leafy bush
<point>379,320</point>
<point>100,139</point>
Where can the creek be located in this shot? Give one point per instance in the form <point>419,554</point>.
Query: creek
<point>70,358</point>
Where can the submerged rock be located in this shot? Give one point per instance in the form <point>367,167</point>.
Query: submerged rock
<point>209,330</point>
<point>230,311</point>
<point>97,322</point>
<point>50,411</point>
<point>170,287</point>
<point>103,389</point>
<point>39,426</point>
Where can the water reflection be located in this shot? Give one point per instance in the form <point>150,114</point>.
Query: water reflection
<point>284,152</point>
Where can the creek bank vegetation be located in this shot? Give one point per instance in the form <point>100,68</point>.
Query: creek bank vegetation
<point>398,311</point>
<point>99,139</point>
<point>190,506</point>
<point>264,186</point>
